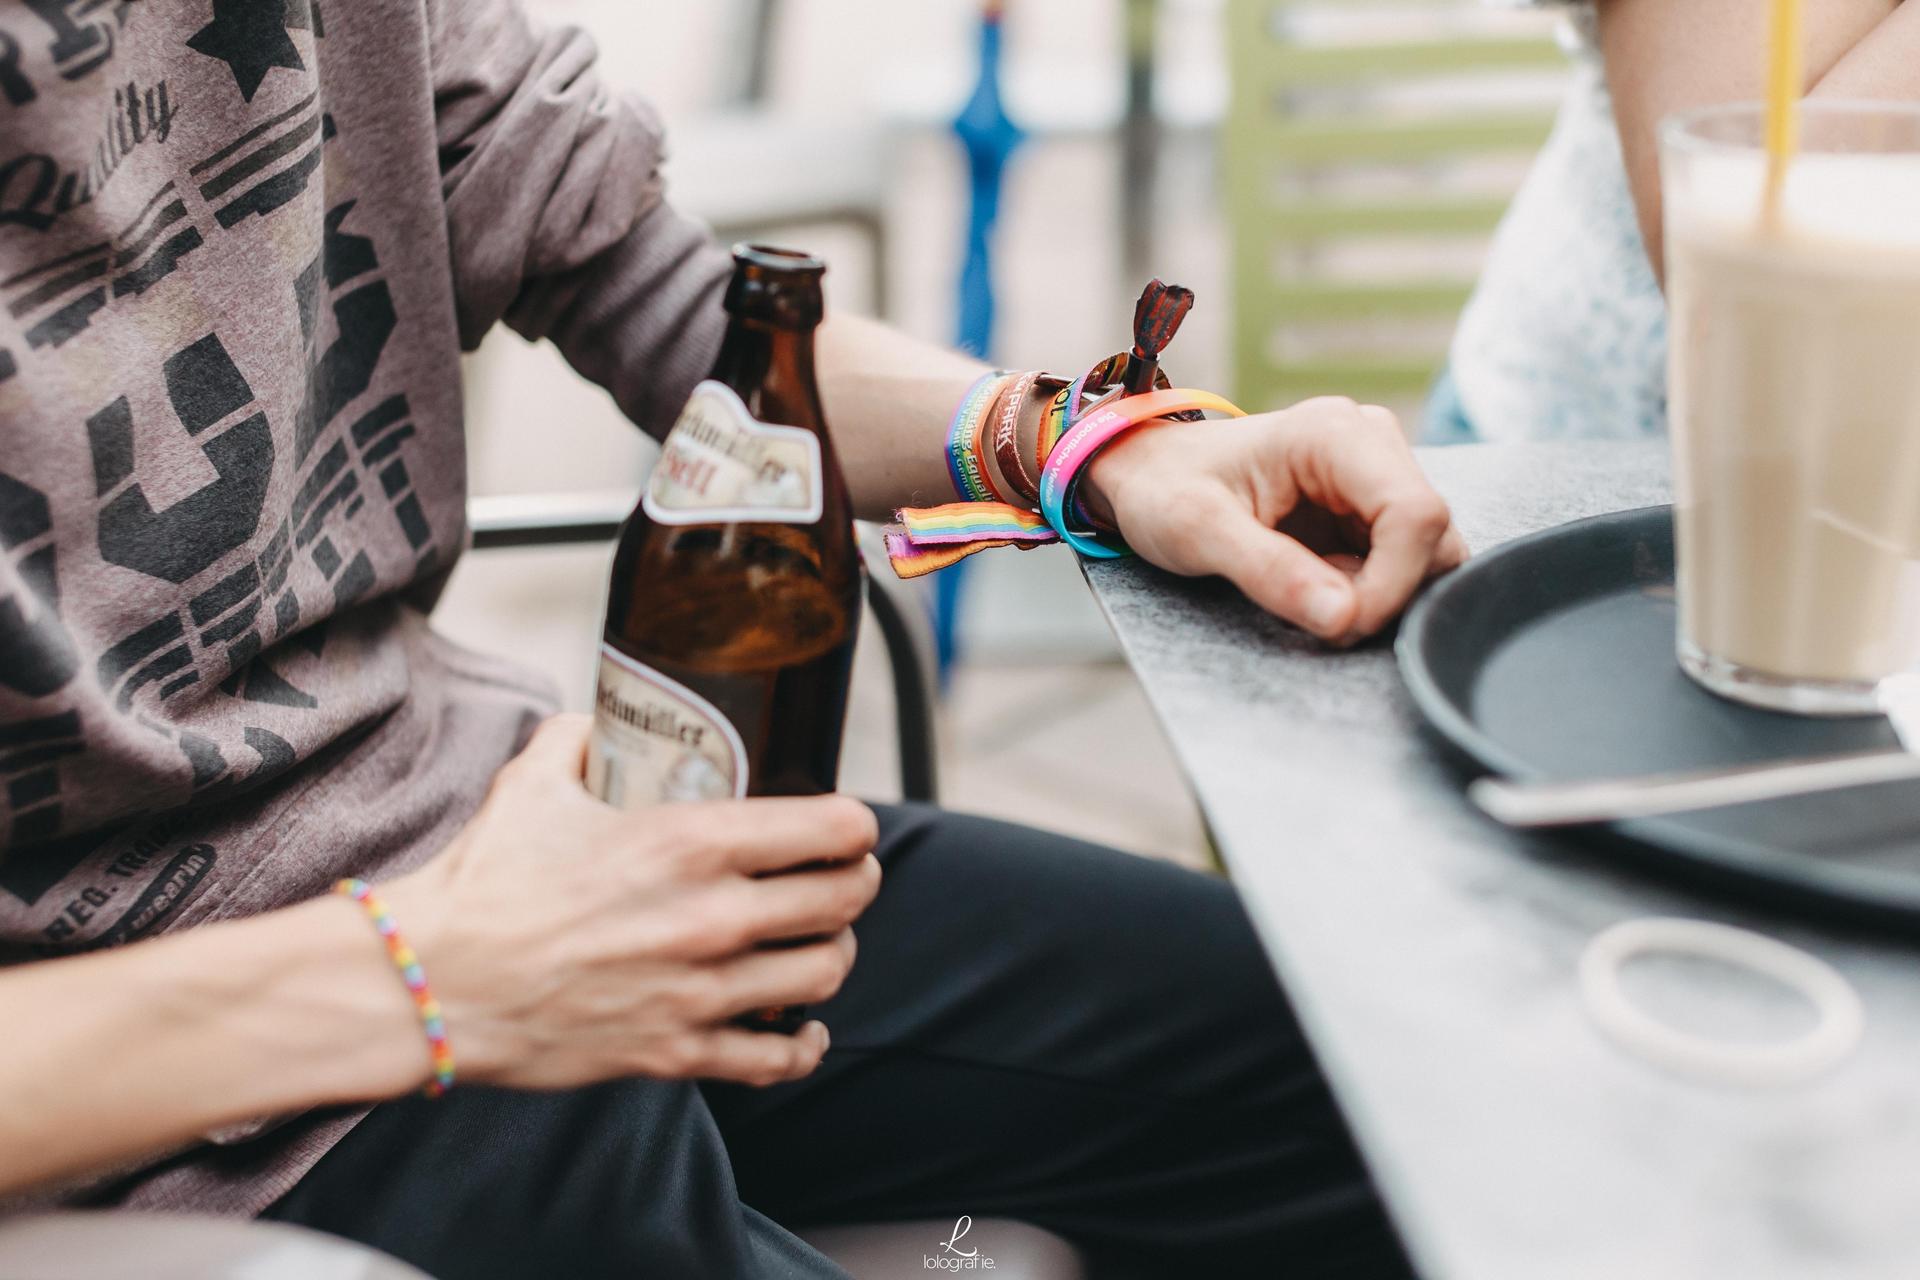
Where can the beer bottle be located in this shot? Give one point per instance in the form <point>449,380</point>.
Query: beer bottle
<point>737,584</point>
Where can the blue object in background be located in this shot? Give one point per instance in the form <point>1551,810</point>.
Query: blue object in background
<point>989,137</point>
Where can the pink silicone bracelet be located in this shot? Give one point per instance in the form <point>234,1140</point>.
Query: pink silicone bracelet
<point>1088,436</point>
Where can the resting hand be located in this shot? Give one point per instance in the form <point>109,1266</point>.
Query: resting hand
<point>1319,513</point>
<point>569,942</point>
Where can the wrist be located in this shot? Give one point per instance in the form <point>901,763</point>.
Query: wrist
<point>1099,483</point>
<point>383,1043</point>
<point>308,990</point>
<point>146,1051</point>
<point>462,970</point>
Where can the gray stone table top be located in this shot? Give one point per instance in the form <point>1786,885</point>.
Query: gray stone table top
<point>1431,955</point>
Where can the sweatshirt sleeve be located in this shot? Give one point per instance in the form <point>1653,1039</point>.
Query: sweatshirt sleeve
<point>556,214</point>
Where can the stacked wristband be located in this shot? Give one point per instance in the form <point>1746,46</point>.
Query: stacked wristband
<point>965,466</point>
<point>414,976</point>
<point>1004,425</point>
<point>1067,462</point>
<point>1089,412</point>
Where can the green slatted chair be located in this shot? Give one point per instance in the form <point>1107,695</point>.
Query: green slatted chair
<point>1351,140</point>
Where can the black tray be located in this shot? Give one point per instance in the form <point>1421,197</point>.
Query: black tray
<point>1552,657</point>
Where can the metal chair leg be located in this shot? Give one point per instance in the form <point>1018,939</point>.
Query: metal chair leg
<point>904,626</point>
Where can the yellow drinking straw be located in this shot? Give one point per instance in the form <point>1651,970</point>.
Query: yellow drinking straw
<point>1785,74</point>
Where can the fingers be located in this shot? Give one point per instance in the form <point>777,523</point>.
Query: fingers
<point>1374,475</point>
<point>810,974</point>
<point>1405,551</point>
<point>1282,576</point>
<point>758,1057</point>
<point>762,837</point>
<point>805,904</point>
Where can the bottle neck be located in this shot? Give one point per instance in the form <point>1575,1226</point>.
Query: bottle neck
<point>771,367</point>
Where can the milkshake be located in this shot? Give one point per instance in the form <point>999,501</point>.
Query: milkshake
<point>1794,399</point>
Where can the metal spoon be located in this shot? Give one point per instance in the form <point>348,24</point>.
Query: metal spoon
<point>1564,804</point>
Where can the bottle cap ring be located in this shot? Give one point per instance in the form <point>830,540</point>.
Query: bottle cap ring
<point>1841,1019</point>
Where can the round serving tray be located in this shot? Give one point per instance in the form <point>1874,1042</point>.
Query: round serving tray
<point>1552,657</point>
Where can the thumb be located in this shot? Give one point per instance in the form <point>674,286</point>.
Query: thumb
<point>558,745</point>
<point>1284,577</point>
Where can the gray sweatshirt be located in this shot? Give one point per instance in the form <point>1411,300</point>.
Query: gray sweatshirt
<point>242,243</point>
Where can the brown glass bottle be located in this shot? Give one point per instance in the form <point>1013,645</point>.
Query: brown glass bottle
<point>736,590</point>
<point>737,581</point>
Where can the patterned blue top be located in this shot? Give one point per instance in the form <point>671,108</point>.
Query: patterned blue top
<point>1565,336</point>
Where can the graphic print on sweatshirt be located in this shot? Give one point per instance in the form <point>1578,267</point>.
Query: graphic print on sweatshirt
<point>187,495</point>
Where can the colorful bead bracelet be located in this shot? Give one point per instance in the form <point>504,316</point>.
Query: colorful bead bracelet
<point>414,976</point>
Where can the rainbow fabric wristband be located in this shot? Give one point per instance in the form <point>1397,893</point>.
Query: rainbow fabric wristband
<point>411,973</point>
<point>959,522</point>
<point>931,538</point>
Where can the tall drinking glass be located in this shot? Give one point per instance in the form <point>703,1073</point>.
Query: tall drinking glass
<point>1794,400</point>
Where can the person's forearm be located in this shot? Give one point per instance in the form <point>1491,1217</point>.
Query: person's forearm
<point>889,399</point>
<point>1663,57</point>
<point>135,1052</point>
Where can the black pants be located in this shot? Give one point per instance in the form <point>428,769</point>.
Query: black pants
<point>1036,1028</point>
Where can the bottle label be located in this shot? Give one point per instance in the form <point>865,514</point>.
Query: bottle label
<point>655,741</point>
<point>720,465</point>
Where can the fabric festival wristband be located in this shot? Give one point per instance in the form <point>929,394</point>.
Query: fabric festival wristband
<point>1088,436</point>
<point>1053,424</point>
<point>1005,428</point>
<point>963,463</point>
<point>1006,448</point>
<point>414,976</point>
<point>983,431</point>
<point>930,539</point>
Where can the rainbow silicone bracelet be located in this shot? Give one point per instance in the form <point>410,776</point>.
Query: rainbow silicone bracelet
<point>1099,381</point>
<point>1088,436</point>
<point>414,976</point>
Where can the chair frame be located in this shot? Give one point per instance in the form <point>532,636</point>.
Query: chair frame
<point>1266,136</point>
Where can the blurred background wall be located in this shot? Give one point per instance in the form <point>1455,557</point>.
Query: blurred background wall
<point>1324,175</point>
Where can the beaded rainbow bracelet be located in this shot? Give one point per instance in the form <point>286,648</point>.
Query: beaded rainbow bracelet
<point>414,976</point>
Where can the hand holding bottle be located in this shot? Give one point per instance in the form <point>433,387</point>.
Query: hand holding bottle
<point>571,943</point>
